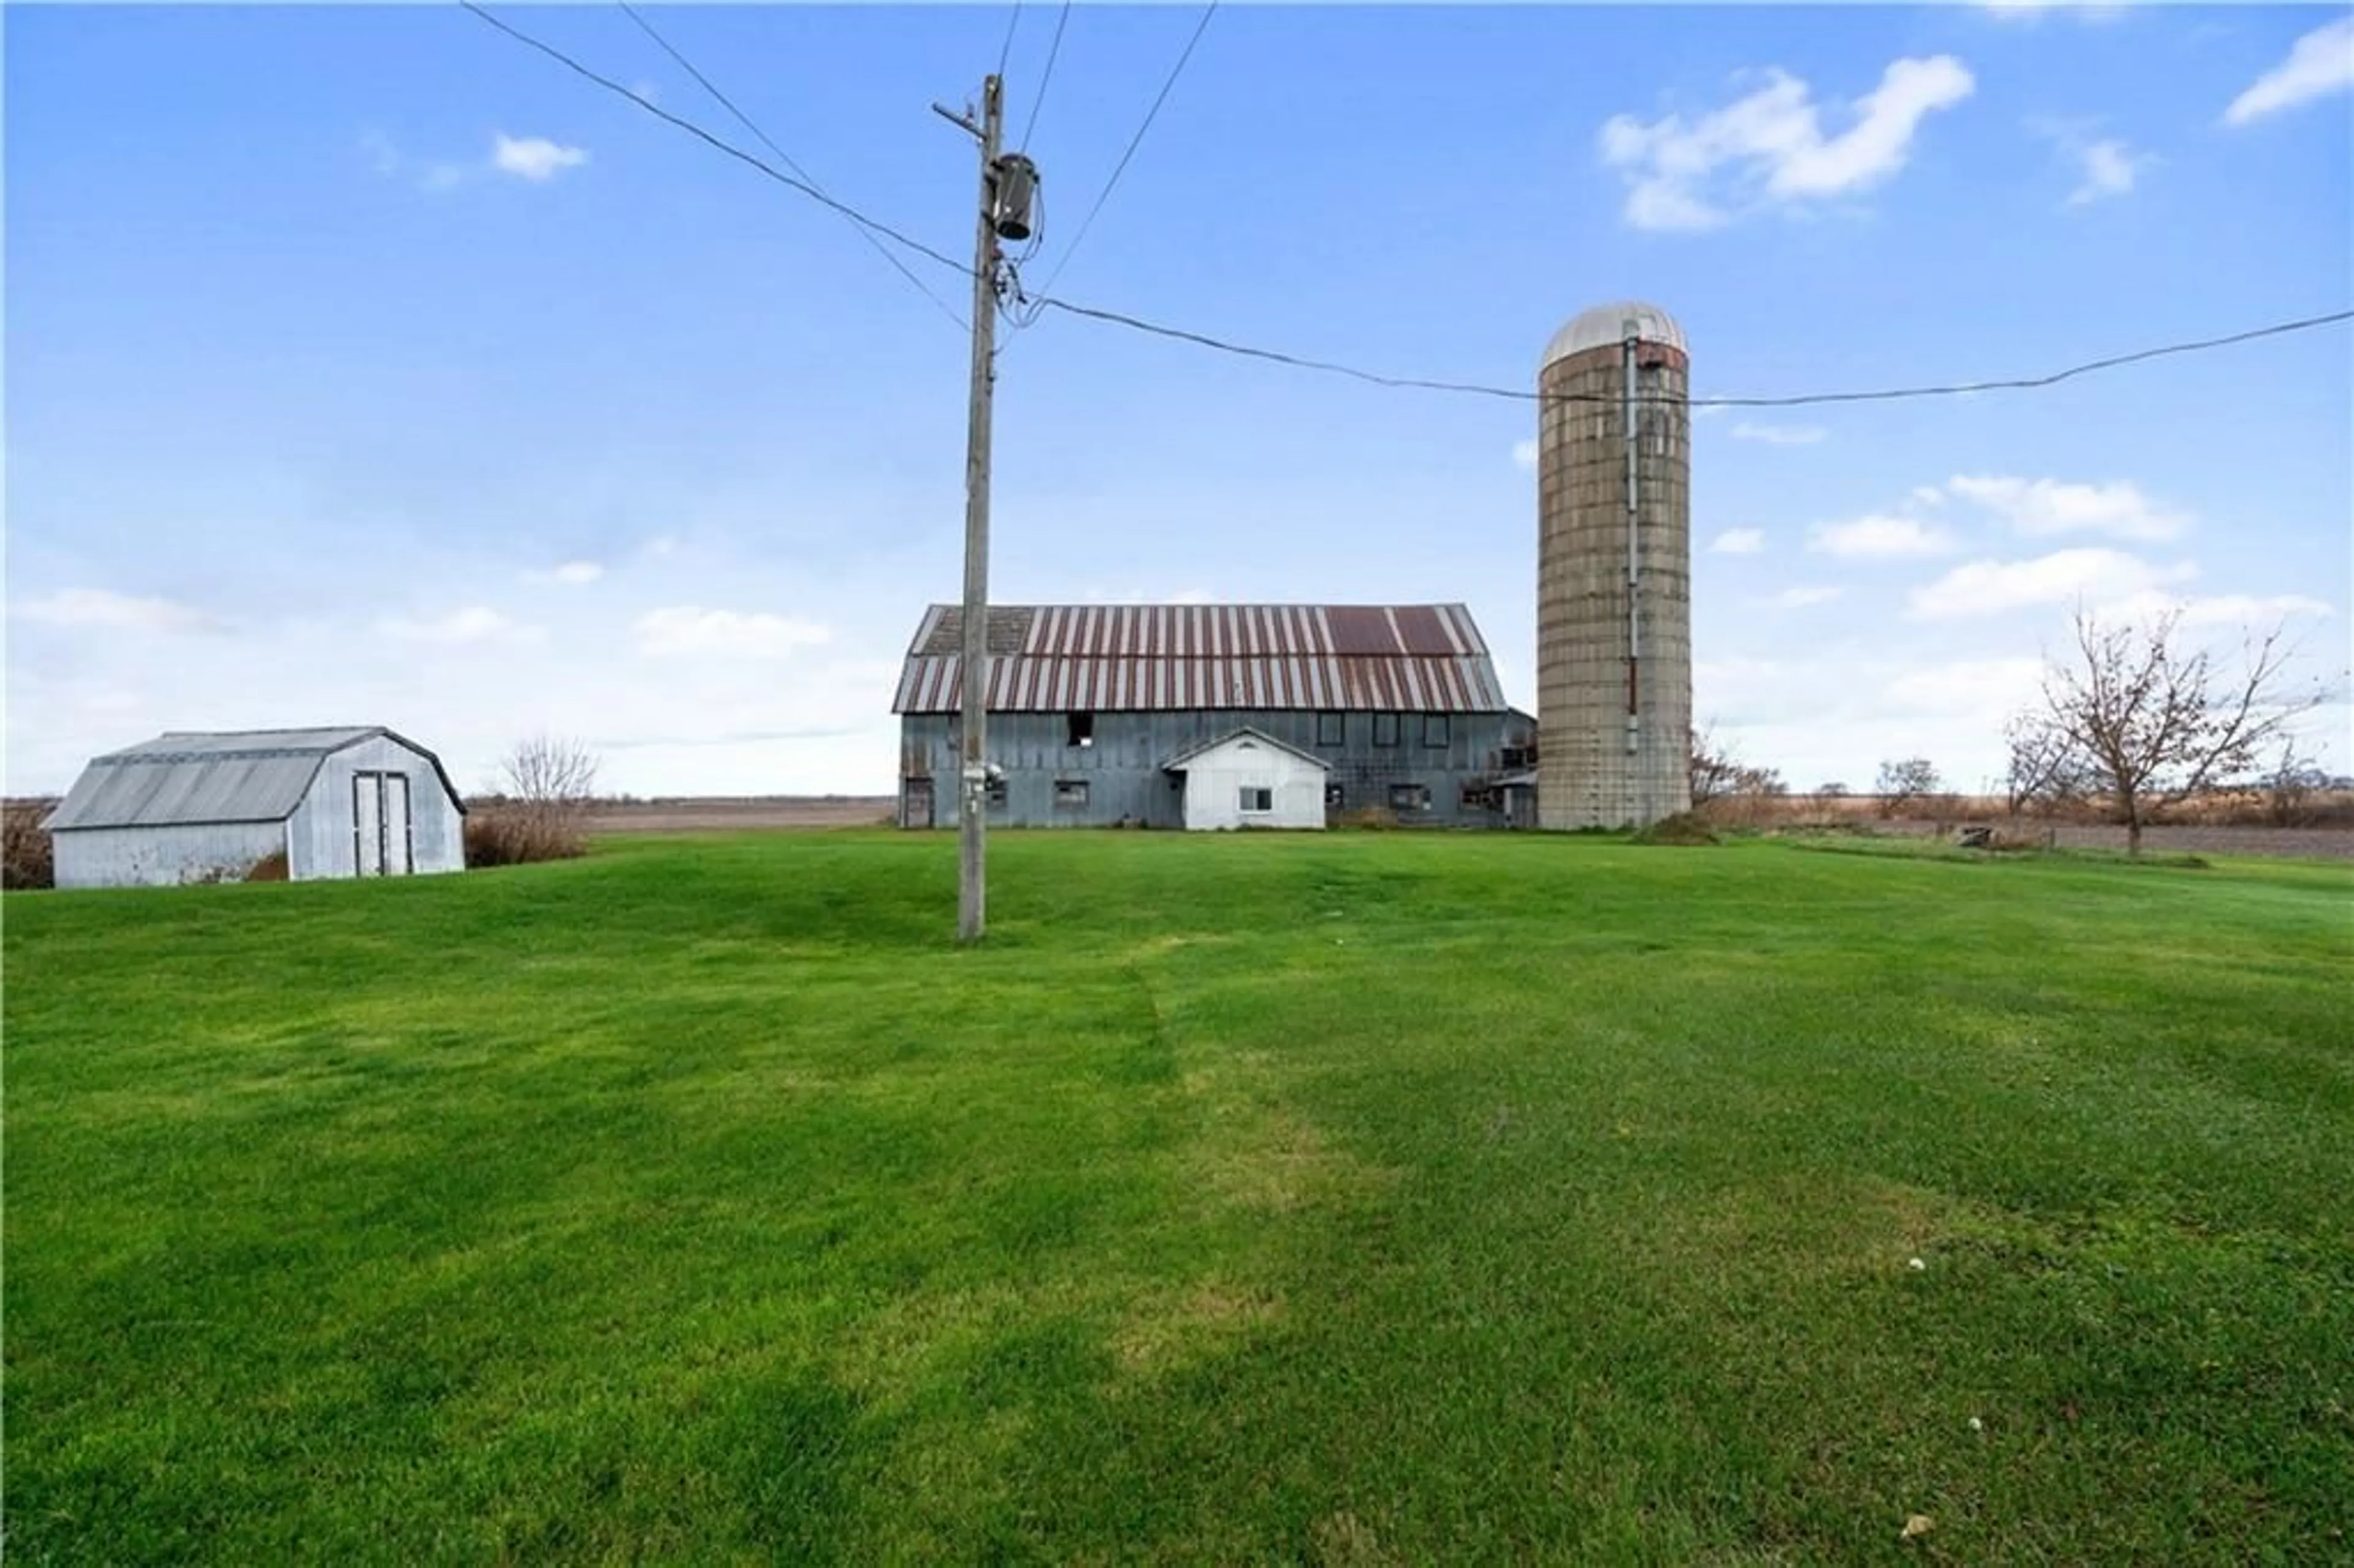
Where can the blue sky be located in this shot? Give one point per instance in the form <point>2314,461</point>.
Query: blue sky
<point>363,366</point>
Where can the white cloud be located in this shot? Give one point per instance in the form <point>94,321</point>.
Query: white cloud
<point>1928,495</point>
<point>2319,64</point>
<point>1780,435</point>
<point>390,161</point>
<point>1878,536</point>
<point>2217,609</point>
<point>2045,506</point>
<point>1739,542</point>
<point>2103,166</point>
<point>692,631</point>
<point>1769,148</point>
<point>1524,455</point>
<point>116,612</point>
<point>534,158</point>
<point>475,623</point>
<point>1991,588</point>
<point>1963,687</point>
<point>1799,598</point>
<point>2110,168</point>
<point>571,574</point>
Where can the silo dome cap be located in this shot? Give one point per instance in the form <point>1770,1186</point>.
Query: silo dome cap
<point>1607,324</point>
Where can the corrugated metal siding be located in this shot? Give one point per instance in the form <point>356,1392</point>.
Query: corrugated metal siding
<point>138,791</point>
<point>245,775</point>
<point>176,745</point>
<point>153,857</point>
<point>1126,766</point>
<point>1170,658</point>
<point>319,836</point>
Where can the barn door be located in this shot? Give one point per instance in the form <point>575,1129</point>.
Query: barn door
<point>399,830</point>
<point>368,824</point>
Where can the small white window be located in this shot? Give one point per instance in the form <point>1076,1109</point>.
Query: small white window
<point>1258,798</point>
<point>1070,792</point>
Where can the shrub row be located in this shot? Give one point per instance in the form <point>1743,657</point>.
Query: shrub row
<point>519,832</point>
<point>27,856</point>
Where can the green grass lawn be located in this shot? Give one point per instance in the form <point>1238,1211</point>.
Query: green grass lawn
<point>1346,1199</point>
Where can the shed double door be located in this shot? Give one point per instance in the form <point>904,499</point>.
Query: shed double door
<point>382,831</point>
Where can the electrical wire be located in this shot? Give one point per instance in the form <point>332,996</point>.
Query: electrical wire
<point>1005,49</point>
<point>746,121</point>
<point>1038,303</point>
<point>1039,102</point>
<point>1133,143</point>
<point>1807,399</point>
<point>699,134</point>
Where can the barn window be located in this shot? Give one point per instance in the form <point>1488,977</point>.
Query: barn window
<point>1258,798</point>
<point>1434,729</point>
<point>1409,797</point>
<point>1334,797</point>
<point>1512,757</point>
<point>994,790</point>
<point>1083,729</point>
<point>1478,798</point>
<point>1070,792</point>
<point>1386,729</point>
<point>1331,730</point>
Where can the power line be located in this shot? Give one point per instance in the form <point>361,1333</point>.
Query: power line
<point>1052,50</point>
<point>1005,49</point>
<point>1043,302</point>
<point>746,121</point>
<point>1522,395</point>
<point>700,134</point>
<point>1133,143</point>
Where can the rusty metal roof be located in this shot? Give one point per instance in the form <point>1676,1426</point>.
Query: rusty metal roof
<point>1413,658</point>
<point>236,776</point>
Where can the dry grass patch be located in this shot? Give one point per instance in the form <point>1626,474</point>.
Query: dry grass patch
<point>1343,1540</point>
<point>1169,1328</point>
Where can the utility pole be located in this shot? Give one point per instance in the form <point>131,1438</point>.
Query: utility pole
<point>1006,185</point>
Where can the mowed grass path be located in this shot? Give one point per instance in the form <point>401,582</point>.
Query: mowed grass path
<point>1350,1199</point>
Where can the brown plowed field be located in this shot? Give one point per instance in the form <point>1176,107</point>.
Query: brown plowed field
<point>2300,843</point>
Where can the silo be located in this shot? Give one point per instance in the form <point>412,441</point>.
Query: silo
<point>1614,571</point>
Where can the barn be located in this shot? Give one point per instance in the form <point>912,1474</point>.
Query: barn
<point>189,807</point>
<point>1150,715</point>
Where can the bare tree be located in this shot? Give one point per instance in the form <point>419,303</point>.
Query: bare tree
<point>1903,780</point>
<point>1713,767</point>
<point>2148,722</point>
<point>2290,787</point>
<point>549,771</point>
<point>2046,770</point>
<point>1717,772</point>
<point>541,812</point>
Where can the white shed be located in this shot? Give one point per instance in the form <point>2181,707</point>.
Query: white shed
<point>1250,780</point>
<point>189,807</point>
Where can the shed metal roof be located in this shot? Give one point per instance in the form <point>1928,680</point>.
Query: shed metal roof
<point>187,776</point>
<point>1423,658</point>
